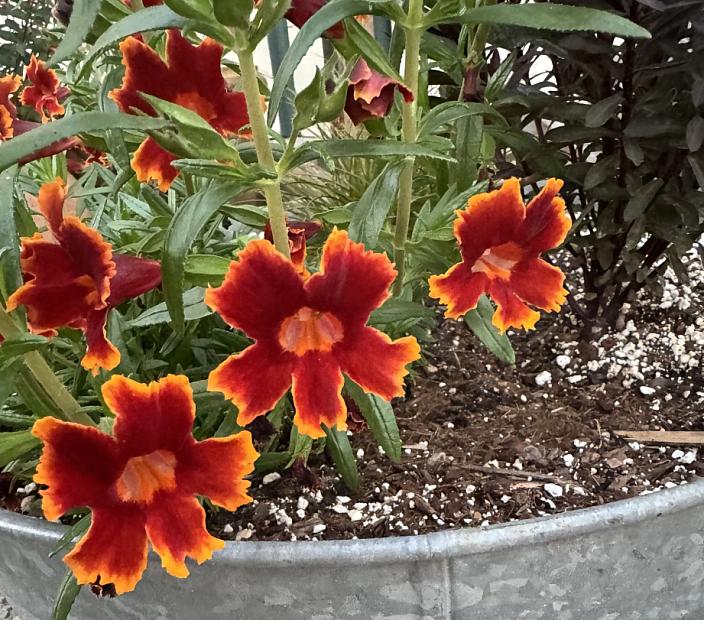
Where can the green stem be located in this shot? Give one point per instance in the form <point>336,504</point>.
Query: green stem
<point>260,135</point>
<point>66,405</point>
<point>409,134</point>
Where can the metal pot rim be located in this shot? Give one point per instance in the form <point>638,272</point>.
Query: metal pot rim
<point>446,544</point>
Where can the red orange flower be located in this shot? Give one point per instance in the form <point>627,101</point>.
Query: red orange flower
<point>9,84</point>
<point>501,240</point>
<point>75,280</point>
<point>302,10</point>
<point>45,92</point>
<point>298,234</point>
<point>308,332</point>
<point>140,482</point>
<point>371,94</point>
<point>191,77</point>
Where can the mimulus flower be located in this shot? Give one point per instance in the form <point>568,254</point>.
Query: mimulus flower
<point>302,10</point>
<point>371,94</point>
<point>308,332</point>
<point>45,92</point>
<point>140,482</point>
<point>298,234</point>
<point>501,240</point>
<point>74,280</point>
<point>191,77</point>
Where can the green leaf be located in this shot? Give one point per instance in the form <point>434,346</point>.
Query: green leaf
<point>546,16</point>
<point>395,309</point>
<point>183,229</point>
<point>233,12</point>
<point>206,268</point>
<point>24,145</point>
<point>380,417</point>
<point>9,242</point>
<point>299,446</point>
<point>602,111</point>
<point>323,19</point>
<point>641,199</point>
<point>65,597</point>
<point>83,16</point>
<point>16,444</point>
<point>271,461</point>
<point>364,44</point>
<point>195,9</point>
<point>369,214</point>
<point>479,321</point>
<point>451,111</point>
<point>600,171</point>
<point>75,531</point>
<point>339,448</point>
<point>193,309</point>
<point>12,347</point>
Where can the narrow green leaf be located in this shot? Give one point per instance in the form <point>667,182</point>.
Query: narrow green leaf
<point>641,199</point>
<point>65,597</point>
<point>379,414</point>
<point>83,15</point>
<point>206,268</point>
<point>184,228</point>
<point>16,444</point>
<point>395,309</point>
<point>364,44</point>
<point>369,214</point>
<point>299,445</point>
<point>12,347</point>
<point>193,309</point>
<point>546,16</point>
<point>9,242</point>
<point>602,111</point>
<point>24,145</point>
<point>75,531</point>
<point>479,321</point>
<point>451,111</point>
<point>271,461</point>
<point>339,448</point>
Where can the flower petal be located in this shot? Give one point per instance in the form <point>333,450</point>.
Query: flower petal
<point>260,290</point>
<point>540,284</point>
<point>255,379</point>
<point>459,289</point>
<point>317,394</point>
<point>47,263</point>
<point>547,223</point>
<point>376,363</point>
<point>153,416</point>
<point>7,130</point>
<point>150,162</point>
<point>78,465</point>
<point>216,468</point>
<point>114,548</point>
<point>176,529</point>
<point>45,89</point>
<point>9,84</point>
<point>351,282</point>
<point>490,219</point>
<point>51,204</point>
<point>510,311</point>
<point>100,352</point>
<point>133,277</point>
<point>302,10</point>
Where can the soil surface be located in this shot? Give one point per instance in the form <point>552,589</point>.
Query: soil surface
<point>488,443</point>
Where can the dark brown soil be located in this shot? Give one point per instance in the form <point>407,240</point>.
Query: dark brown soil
<point>484,443</point>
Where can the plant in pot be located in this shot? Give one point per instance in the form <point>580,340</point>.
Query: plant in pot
<point>157,350</point>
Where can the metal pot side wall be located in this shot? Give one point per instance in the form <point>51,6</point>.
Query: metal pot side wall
<point>641,558</point>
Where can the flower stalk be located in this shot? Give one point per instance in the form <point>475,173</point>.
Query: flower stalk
<point>66,405</point>
<point>409,135</point>
<point>260,136</point>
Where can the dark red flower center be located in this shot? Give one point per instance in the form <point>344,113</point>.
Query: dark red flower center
<point>310,330</point>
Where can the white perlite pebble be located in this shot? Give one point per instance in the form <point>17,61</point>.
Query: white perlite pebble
<point>689,457</point>
<point>646,390</point>
<point>568,459</point>
<point>543,378</point>
<point>677,454</point>
<point>563,361</point>
<point>244,534</point>
<point>319,528</point>
<point>302,503</point>
<point>355,515</point>
<point>228,529</point>
<point>553,489</point>
<point>272,477</point>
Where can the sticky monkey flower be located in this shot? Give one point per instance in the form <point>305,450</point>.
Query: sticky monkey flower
<point>140,482</point>
<point>308,332</point>
<point>45,92</point>
<point>298,235</point>
<point>371,94</point>
<point>501,240</point>
<point>190,76</point>
<point>75,279</point>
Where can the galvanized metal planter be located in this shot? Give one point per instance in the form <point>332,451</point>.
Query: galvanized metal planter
<point>639,558</point>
